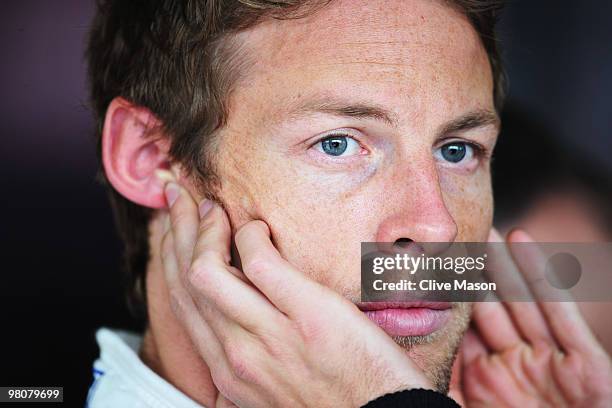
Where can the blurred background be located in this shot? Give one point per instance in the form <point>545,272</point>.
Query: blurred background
<point>61,275</point>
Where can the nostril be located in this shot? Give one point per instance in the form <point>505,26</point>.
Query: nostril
<point>402,243</point>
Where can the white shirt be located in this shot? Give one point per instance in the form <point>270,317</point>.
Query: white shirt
<point>121,379</point>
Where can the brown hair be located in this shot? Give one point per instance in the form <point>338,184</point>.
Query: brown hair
<point>175,58</point>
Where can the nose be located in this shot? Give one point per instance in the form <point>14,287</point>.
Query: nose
<point>419,213</point>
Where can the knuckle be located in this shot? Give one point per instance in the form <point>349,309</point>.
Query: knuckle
<point>312,331</point>
<point>257,266</point>
<point>177,302</point>
<point>206,224</point>
<point>177,219</point>
<point>239,363</point>
<point>203,269</point>
<point>199,273</point>
<point>249,228</point>
<point>279,348</point>
<point>242,231</point>
<point>225,383</point>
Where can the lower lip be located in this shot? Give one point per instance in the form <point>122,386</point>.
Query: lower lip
<point>417,321</point>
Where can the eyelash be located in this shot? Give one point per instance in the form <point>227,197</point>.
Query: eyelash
<point>478,148</point>
<point>480,151</point>
<point>338,134</point>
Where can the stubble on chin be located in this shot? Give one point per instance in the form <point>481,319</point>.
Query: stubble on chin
<point>435,353</point>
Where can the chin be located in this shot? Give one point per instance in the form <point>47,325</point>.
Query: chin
<point>435,353</point>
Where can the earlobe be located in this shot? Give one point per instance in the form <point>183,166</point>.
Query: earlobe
<point>133,150</point>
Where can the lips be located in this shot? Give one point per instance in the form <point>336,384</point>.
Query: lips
<point>408,318</point>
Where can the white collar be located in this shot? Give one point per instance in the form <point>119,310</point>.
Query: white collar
<point>123,380</point>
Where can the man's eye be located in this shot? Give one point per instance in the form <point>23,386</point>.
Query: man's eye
<point>338,146</point>
<point>455,152</point>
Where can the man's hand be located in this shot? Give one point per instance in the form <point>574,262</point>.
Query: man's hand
<point>271,336</point>
<point>532,354</point>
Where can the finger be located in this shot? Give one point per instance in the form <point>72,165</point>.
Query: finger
<point>494,236</point>
<point>564,319</point>
<point>524,313</point>
<point>502,270</point>
<point>198,317</point>
<point>495,326</point>
<point>211,332</point>
<point>215,283</point>
<point>223,402</point>
<point>532,325</point>
<point>455,391</point>
<point>183,306</point>
<point>184,220</point>
<point>531,262</point>
<point>214,233</point>
<point>472,347</point>
<point>473,353</point>
<point>286,287</point>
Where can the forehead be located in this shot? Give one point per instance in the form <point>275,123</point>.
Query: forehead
<point>412,54</point>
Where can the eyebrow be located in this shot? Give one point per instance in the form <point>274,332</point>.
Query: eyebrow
<point>471,120</point>
<point>345,109</point>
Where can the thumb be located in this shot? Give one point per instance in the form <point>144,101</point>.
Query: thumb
<point>223,402</point>
<point>455,391</point>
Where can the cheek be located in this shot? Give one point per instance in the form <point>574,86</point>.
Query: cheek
<point>470,202</point>
<point>316,226</point>
<point>321,233</point>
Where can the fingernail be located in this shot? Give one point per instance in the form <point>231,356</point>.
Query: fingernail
<point>520,235</point>
<point>172,192</point>
<point>205,207</point>
<point>164,175</point>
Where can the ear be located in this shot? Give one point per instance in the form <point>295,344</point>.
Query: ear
<point>133,150</point>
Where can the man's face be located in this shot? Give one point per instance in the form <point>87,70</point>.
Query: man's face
<point>361,123</point>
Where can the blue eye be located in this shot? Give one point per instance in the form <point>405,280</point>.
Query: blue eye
<point>334,146</point>
<point>338,146</point>
<point>455,152</point>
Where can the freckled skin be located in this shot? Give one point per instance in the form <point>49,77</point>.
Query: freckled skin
<point>419,59</point>
<point>422,61</point>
